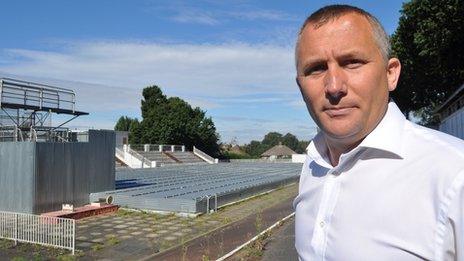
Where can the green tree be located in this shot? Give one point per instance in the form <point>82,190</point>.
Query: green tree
<point>428,42</point>
<point>174,121</point>
<point>290,141</point>
<point>271,139</point>
<point>302,145</point>
<point>128,124</point>
<point>124,123</point>
<point>256,148</point>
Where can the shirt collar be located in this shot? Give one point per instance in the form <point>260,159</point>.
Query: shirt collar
<point>388,133</point>
<point>386,136</point>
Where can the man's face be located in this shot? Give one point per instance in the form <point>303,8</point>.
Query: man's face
<point>343,77</point>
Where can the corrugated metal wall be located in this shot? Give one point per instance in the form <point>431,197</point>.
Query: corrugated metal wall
<point>17,165</point>
<point>51,174</point>
<point>454,124</point>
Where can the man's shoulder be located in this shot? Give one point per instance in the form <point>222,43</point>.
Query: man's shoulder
<point>435,145</point>
<point>435,138</point>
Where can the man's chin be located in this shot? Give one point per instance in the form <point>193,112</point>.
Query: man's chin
<point>342,135</point>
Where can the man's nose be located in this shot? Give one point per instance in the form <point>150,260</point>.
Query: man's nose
<point>335,84</point>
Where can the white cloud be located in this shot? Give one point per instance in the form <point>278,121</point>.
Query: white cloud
<point>195,16</point>
<point>217,13</point>
<point>210,76</point>
<point>222,70</point>
<point>263,14</point>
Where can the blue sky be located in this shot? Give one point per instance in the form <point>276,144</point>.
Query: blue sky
<point>233,59</point>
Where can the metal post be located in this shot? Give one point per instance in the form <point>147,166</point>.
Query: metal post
<point>215,202</point>
<point>41,98</point>
<point>172,148</point>
<point>183,148</point>
<point>1,91</point>
<point>74,236</point>
<point>16,229</point>
<point>207,204</point>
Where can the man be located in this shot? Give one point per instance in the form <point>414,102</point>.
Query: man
<point>374,185</point>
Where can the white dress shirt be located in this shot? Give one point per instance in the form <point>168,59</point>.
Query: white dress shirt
<point>399,195</point>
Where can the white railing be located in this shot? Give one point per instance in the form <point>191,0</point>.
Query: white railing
<point>261,160</point>
<point>132,158</point>
<point>204,156</point>
<point>143,160</point>
<point>48,231</point>
<point>158,147</point>
<point>119,153</point>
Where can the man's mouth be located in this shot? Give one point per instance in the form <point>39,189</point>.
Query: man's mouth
<point>338,111</point>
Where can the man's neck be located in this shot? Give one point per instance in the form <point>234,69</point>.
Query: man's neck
<point>336,149</point>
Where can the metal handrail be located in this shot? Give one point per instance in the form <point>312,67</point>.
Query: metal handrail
<point>203,155</point>
<point>139,157</point>
<point>11,89</point>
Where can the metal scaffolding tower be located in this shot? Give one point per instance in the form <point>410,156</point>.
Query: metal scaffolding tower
<point>27,107</point>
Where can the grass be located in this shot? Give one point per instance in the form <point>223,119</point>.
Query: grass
<point>6,244</point>
<point>18,258</point>
<point>124,213</point>
<point>113,240</point>
<point>256,249</point>
<point>259,221</point>
<point>97,247</point>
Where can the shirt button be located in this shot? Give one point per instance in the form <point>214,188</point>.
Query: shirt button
<point>322,224</point>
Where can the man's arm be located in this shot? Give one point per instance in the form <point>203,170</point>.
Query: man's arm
<point>454,237</point>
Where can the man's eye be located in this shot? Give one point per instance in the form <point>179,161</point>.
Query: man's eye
<point>314,70</point>
<point>353,63</point>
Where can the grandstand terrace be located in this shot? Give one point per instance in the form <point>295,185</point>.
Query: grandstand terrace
<point>196,188</point>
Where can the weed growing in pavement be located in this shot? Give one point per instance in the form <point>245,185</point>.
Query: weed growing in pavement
<point>37,257</point>
<point>221,244</point>
<point>259,221</point>
<point>256,249</point>
<point>164,244</point>
<point>112,240</point>
<point>97,247</point>
<point>18,258</point>
<point>204,258</point>
<point>184,252</point>
<point>124,213</point>
<point>66,258</point>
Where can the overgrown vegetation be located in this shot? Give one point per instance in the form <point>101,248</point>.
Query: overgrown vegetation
<point>428,42</point>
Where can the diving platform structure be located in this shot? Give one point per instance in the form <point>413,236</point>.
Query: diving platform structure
<point>27,108</point>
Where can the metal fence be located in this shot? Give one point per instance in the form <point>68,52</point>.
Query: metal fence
<point>48,231</point>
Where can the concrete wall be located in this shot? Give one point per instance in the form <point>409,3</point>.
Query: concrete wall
<point>57,173</point>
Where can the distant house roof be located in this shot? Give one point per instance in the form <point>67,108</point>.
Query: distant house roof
<point>278,150</point>
<point>236,149</point>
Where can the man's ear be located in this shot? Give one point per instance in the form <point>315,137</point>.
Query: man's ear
<point>393,73</point>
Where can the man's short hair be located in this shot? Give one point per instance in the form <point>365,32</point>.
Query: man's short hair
<point>331,12</point>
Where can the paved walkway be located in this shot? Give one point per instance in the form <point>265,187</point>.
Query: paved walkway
<point>137,235</point>
<point>282,244</point>
<point>226,239</point>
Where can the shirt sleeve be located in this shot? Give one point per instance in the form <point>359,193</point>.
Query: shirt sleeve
<point>454,239</point>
